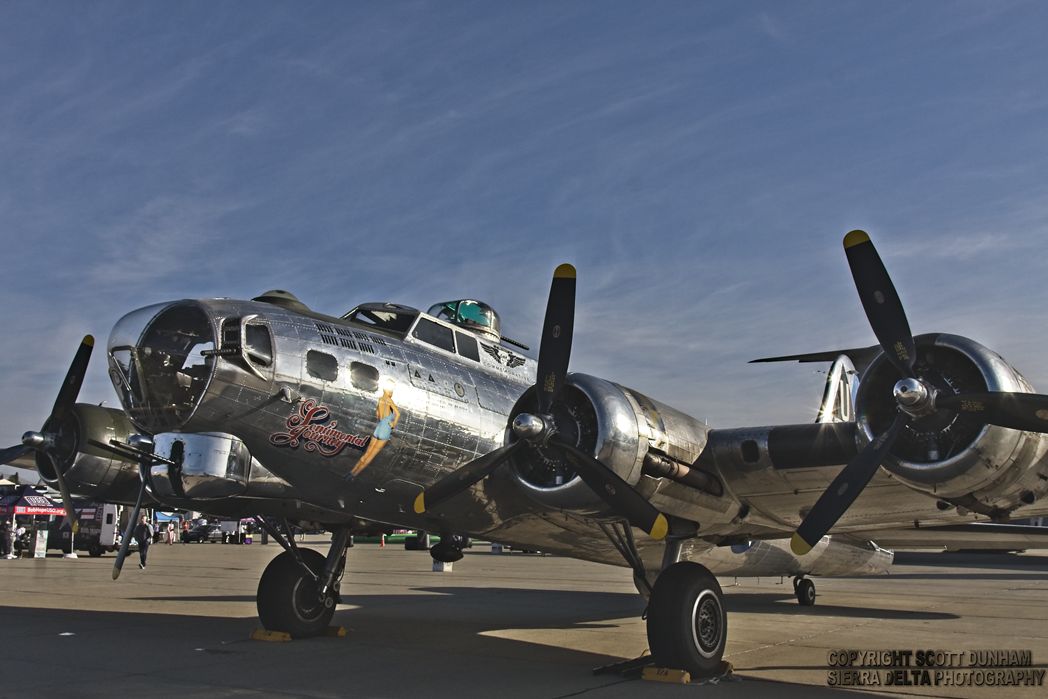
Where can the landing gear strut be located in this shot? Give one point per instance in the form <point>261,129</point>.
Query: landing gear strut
<point>449,549</point>
<point>299,588</point>
<point>687,624</point>
<point>804,588</point>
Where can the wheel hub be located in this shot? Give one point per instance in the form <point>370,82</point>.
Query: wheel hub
<point>308,604</point>
<point>707,626</point>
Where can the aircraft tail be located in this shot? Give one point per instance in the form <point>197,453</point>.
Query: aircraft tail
<point>838,396</point>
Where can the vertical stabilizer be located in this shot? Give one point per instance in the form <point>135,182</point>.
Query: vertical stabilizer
<point>838,397</point>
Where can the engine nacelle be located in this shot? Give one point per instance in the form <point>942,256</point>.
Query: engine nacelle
<point>954,456</point>
<point>210,466</point>
<point>88,470</point>
<point>620,427</point>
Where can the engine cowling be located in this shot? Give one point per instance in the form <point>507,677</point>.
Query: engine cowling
<point>954,456</point>
<point>620,427</point>
<point>88,470</point>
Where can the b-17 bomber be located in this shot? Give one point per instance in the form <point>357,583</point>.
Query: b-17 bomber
<point>435,421</point>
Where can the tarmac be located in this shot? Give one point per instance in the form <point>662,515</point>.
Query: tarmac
<point>503,625</point>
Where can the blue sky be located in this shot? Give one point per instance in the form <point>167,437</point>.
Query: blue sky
<point>698,162</point>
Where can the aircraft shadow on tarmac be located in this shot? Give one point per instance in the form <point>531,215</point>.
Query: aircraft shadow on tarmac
<point>120,653</point>
<point>384,632</point>
<point>485,608</point>
<point>494,608</point>
<point>785,603</point>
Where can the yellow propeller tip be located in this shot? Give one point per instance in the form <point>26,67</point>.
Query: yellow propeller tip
<point>660,528</point>
<point>564,271</point>
<point>420,503</point>
<point>799,546</point>
<point>855,238</point>
<point>89,340</point>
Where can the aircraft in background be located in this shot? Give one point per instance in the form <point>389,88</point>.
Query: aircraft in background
<point>434,421</point>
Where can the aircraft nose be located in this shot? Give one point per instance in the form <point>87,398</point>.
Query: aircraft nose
<point>160,363</point>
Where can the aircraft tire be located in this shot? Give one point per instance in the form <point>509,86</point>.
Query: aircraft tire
<point>687,624</point>
<point>287,598</point>
<point>805,590</point>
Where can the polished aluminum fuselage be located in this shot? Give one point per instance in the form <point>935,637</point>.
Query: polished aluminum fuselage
<point>304,430</point>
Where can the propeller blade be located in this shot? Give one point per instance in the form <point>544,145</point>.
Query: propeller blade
<point>129,532</point>
<point>622,498</point>
<point>11,453</point>
<point>73,381</point>
<point>1019,411</point>
<point>67,500</point>
<point>842,492</point>
<point>880,301</point>
<point>463,477</point>
<point>557,329</point>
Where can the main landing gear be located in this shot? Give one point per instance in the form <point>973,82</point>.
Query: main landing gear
<point>804,588</point>
<point>299,588</point>
<point>687,624</point>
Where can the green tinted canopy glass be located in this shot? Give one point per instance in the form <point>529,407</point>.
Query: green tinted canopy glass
<point>468,313</point>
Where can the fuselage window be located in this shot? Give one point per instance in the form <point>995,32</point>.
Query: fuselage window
<point>467,346</point>
<point>321,365</point>
<point>363,376</point>
<point>258,344</point>
<point>434,334</point>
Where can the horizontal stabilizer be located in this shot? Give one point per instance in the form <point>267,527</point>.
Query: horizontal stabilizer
<point>860,356</point>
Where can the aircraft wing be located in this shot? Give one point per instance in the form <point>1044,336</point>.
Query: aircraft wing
<point>1002,537</point>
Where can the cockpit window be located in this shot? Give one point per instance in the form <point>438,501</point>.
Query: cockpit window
<point>434,334</point>
<point>467,346</point>
<point>396,319</point>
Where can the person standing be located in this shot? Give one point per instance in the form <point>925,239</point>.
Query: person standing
<point>170,533</point>
<point>144,536</point>
<point>6,539</point>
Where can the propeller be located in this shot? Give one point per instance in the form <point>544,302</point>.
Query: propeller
<point>45,441</point>
<point>125,543</point>
<point>139,446</point>
<point>557,330</point>
<point>463,477</point>
<point>539,430</point>
<point>880,301</point>
<point>915,398</point>
<point>1019,411</point>
<point>11,453</point>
